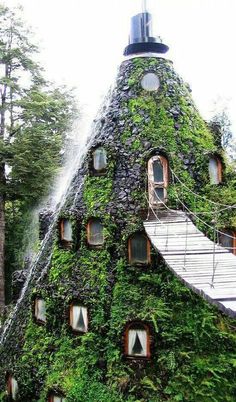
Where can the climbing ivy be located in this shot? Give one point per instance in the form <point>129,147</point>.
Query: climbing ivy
<point>193,345</point>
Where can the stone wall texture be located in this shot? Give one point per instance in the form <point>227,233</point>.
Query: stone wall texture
<point>193,345</point>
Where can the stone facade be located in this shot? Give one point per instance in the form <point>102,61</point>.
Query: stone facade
<point>192,345</point>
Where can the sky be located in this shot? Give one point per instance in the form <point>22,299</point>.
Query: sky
<point>82,43</point>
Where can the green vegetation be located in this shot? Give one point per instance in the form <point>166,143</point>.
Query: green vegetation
<point>193,345</point>
<point>34,119</point>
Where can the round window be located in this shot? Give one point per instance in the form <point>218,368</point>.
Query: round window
<point>150,82</point>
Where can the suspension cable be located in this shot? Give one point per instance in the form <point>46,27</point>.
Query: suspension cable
<point>200,196</point>
<point>201,220</point>
<point>190,212</point>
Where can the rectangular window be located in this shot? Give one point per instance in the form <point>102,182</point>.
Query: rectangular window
<point>79,318</point>
<point>12,388</point>
<point>100,160</point>
<point>137,342</point>
<point>40,310</point>
<point>139,249</point>
<point>66,230</point>
<point>157,180</point>
<point>213,171</point>
<point>95,232</point>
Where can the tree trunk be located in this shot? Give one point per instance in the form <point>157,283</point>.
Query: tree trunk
<point>2,215</point>
<point>2,199</point>
<point>2,245</point>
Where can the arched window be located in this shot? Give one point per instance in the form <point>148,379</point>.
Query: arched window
<point>137,341</point>
<point>78,318</point>
<point>157,180</point>
<point>56,398</point>
<point>139,249</point>
<point>66,232</point>
<point>95,234</point>
<point>215,170</point>
<point>40,310</point>
<point>99,160</point>
<point>227,239</point>
<point>12,388</point>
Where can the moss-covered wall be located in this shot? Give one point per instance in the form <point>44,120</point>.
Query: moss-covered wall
<point>193,345</point>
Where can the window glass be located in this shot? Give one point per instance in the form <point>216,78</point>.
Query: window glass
<point>227,241</point>
<point>137,342</point>
<point>158,172</point>
<point>100,159</point>
<point>213,171</point>
<point>95,232</point>
<point>139,249</point>
<point>159,194</point>
<point>40,309</point>
<point>12,387</point>
<point>157,180</point>
<point>56,398</point>
<point>79,318</point>
<point>150,82</point>
<point>66,230</point>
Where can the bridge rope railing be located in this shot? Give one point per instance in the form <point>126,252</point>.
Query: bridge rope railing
<point>215,212</point>
<point>216,232</point>
<point>201,196</point>
<point>192,214</point>
<point>213,228</point>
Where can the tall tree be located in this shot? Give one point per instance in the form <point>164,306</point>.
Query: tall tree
<point>34,118</point>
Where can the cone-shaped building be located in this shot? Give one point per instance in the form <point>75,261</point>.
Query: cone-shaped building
<point>102,318</point>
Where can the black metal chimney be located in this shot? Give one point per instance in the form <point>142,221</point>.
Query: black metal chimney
<point>141,38</point>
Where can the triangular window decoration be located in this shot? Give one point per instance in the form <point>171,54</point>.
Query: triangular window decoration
<point>79,318</point>
<point>137,342</point>
<point>137,348</point>
<point>80,322</point>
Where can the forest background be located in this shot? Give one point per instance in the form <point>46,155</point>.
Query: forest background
<point>35,119</point>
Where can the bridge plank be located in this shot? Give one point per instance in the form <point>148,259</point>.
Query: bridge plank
<point>190,255</point>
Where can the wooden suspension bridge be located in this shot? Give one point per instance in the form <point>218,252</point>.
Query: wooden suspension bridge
<point>201,264</point>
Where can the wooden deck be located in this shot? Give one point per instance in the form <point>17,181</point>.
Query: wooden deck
<point>206,268</point>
